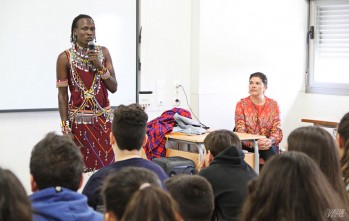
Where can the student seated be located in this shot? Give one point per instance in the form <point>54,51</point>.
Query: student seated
<point>193,194</point>
<point>127,138</point>
<point>320,145</point>
<point>14,201</point>
<point>120,185</point>
<point>56,168</point>
<point>292,187</point>
<point>227,171</point>
<point>151,203</point>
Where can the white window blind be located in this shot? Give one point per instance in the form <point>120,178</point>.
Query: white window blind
<point>329,50</point>
<point>333,29</point>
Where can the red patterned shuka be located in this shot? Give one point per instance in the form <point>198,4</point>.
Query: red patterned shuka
<point>157,130</point>
<point>89,112</point>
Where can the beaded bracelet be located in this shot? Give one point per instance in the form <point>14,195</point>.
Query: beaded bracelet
<point>66,127</point>
<point>104,73</point>
<point>101,72</point>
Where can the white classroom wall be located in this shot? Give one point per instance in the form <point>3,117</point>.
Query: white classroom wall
<point>239,38</point>
<point>211,48</point>
<point>265,36</point>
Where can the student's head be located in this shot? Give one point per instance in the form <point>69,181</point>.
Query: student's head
<point>291,187</point>
<point>343,143</point>
<point>120,185</point>
<point>194,196</point>
<point>320,145</point>
<point>129,127</point>
<point>14,201</point>
<point>219,140</point>
<point>56,161</point>
<point>151,203</point>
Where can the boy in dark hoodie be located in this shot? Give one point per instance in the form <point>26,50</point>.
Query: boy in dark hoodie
<point>225,168</point>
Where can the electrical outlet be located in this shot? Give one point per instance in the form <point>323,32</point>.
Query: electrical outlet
<point>176,86</point>
<point>176,102</point>
<point>176,93</point>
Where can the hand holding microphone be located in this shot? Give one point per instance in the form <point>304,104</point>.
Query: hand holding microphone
<point>91,45</point>
<point>92,54</point>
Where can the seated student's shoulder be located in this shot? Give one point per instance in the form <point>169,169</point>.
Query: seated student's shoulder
<point>101,173</point>
<point>96,179</point>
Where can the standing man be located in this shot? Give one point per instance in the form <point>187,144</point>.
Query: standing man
<point>87,70</point>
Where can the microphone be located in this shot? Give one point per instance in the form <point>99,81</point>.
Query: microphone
<point>91,45</point>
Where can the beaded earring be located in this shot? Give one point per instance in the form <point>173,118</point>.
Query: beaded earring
<point>74,38</point>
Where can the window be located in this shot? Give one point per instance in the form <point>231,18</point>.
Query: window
<point>328,54</point>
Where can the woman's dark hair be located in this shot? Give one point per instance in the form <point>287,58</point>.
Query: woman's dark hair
<point>74,25</point>
<point>262,76</point>
<point>292,187</point>
<point>14,201</point>
<point>320,145</point>
<point>151,203</point>
<point>120,185</point>
<point>343,131</point>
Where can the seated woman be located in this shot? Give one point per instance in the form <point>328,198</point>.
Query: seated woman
<point>320,145</point>
<point>258,114</point>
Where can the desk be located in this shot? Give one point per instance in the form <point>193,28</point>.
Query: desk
<point>321,123</point>
<point>198,141</point>
<point>249,157</point>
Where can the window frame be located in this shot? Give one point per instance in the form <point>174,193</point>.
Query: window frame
<point>313,86</point>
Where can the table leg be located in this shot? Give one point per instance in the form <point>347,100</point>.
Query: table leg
<point>200,147</point>
<point>256,156</point>
<point>201,151</point>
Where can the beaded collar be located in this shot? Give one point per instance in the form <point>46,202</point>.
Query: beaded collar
<point>80,57</point>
